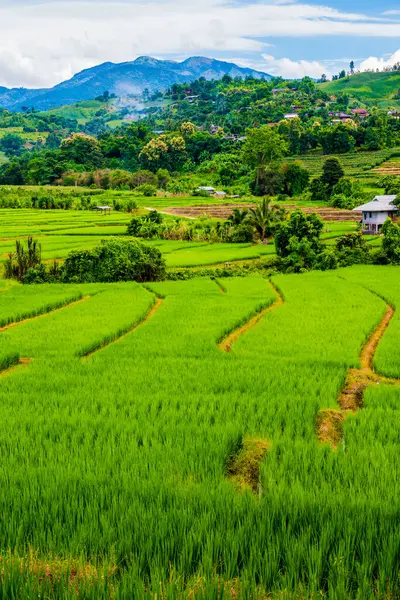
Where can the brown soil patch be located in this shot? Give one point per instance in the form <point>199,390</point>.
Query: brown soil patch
<point>388,168</point>
<point>329,424</point>
<point>227,342</point>
<point>145,319</point>
<point>244,467</point>
<point>223,211</point>
<point>51,311</point>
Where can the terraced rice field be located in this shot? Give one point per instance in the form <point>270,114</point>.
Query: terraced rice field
<point>390,167</point>
<point>165,441</point>
<point>60,231</point>
<point>354,164</point>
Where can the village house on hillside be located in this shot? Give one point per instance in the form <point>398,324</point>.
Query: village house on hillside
<point>375,213</point>
<point>360,112</point>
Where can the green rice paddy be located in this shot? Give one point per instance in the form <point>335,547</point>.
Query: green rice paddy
<point>60,231</point>
<point>113,471</point>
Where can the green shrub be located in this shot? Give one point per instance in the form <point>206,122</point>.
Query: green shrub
<point>115,260</point>
<point>146,190</point>
<point>241,234</point>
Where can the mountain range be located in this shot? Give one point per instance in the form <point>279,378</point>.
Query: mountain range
<point>122,79</point>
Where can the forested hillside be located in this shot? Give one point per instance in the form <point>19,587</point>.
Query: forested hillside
<point>242,136</point>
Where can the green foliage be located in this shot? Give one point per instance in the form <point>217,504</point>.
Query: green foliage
<point>268,182</point>
<point>319,190</point>
<point>164,152</point>
<point>115,260</point>
<point>323,187</point>
<point>348,194</point>
<point>238,216</point>
<point>297,242</point>
<point>11,144</point>
<point>353,249</point>
<point>263,147</point>
<point>332,173</point>
<point>391,242</point>
<point>242,233</point>
<point>147,190</point>
<point>27,255</point>
<point>296,179</point>
<point>338,140</point>
<point>265,218</point>
<point>82,150</point>
<point>305,228</point>
<point>238,229</point>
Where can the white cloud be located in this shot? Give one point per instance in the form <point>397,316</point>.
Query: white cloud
<point>45,41</point>
<point>291,69</point>
<point>373,62</point>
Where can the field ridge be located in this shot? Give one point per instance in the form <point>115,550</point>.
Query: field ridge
<point>227,342</point>
<point>46,311</point>
<point>330,421</point>
<point>120,335</point>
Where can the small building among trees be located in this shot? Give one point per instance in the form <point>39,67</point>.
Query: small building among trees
<point>375,213</point>
<point>102,209</point>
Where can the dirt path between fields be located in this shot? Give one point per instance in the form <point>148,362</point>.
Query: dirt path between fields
<point>227,342</point>
<point>150,313</point>
<point>43,314</point>
<point>330,421</point>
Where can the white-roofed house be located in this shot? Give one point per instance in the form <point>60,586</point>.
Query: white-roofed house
<point>375,213</point>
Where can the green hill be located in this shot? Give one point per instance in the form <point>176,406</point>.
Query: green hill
<point>83,111</point>
<point>371,89</point>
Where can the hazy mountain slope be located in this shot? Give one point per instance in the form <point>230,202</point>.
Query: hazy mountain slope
<point>122,79</point>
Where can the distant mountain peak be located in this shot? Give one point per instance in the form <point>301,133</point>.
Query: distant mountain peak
<point>146,60</point>
<point>199,60</point>
<point>123,79</point>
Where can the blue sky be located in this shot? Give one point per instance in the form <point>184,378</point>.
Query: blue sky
<point>45,41</point>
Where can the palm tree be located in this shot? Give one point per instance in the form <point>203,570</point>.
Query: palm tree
<point>23,259</point>
<point>238,216</point>
<point>265,217</point>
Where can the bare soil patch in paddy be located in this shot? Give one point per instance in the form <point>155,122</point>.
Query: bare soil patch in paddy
<point>388,168</point>
<point>223,211</point>
<point>243,468</point>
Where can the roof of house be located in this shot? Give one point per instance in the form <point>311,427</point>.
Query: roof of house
<point>378,204</point>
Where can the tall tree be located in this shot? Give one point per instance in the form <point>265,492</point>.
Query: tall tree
<point>263,147</point>
<point>332,172</point>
